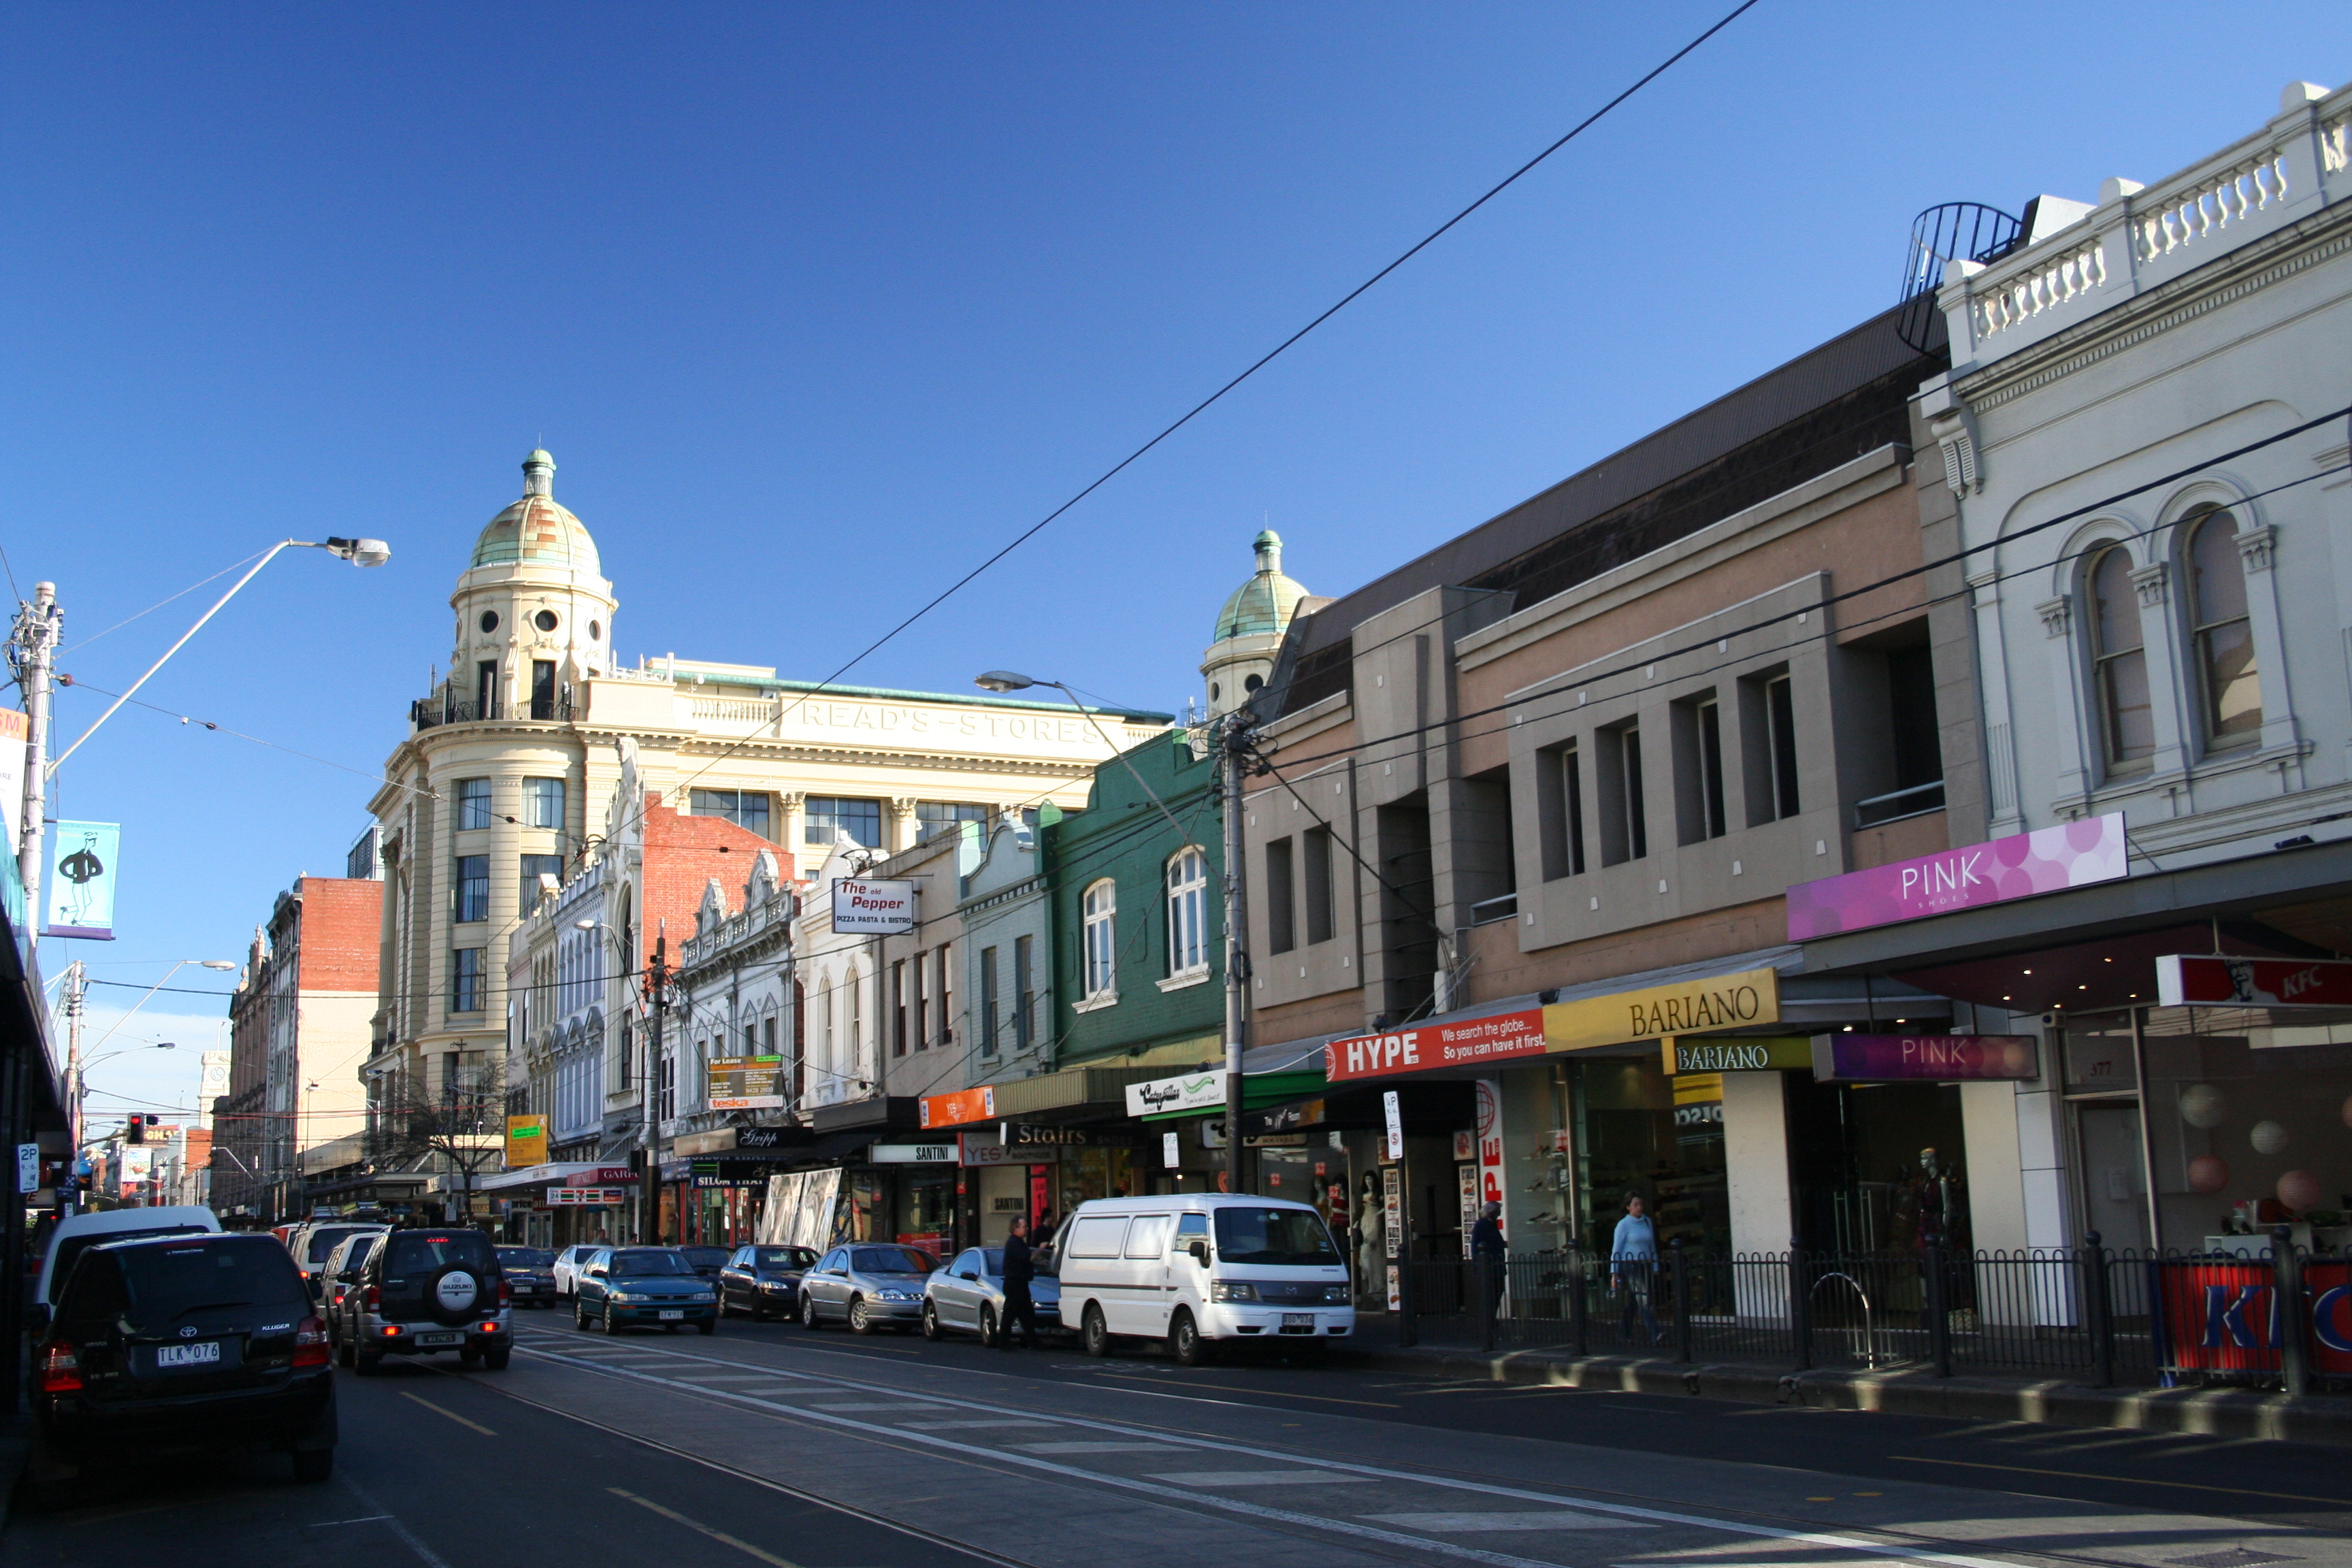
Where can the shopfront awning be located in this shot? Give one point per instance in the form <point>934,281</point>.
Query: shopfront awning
<point>557,1175</point>
<point>1259,1092</point>
<point>1766,991</point>
<point>1080,1093</point>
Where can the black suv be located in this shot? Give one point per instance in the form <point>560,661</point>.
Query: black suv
<point>181,1342</point>
<point>421,1292</point>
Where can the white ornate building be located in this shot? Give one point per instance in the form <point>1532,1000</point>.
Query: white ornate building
<point>511,763</point>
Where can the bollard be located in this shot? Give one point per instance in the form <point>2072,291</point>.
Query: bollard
<point>2098,1309</point>
<point>1939,1315</point>
<point>1578,1327</point>
<point>1682,1302</point>
<point>1800,1305</point>
<point>2286,1280</point>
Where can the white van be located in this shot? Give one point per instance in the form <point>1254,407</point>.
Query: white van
<point>76,1233</point>
<point>1198,1269</point>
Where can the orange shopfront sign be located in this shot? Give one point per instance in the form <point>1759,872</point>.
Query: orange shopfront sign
<point>960,1109</point>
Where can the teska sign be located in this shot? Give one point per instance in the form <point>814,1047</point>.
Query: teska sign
<point>867,908</point>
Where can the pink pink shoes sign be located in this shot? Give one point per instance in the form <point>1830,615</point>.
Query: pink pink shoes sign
<point>2046,860</point>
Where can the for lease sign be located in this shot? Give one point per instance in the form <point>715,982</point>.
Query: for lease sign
<point>873,908</point>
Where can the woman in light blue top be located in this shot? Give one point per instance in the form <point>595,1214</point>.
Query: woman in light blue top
<point>1632,1260</point>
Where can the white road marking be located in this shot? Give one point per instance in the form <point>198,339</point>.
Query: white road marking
<point>1833,1541</point>
<point>1466,1523</point>
<point>1258,1479</point>
<point>891,1404</point>
<point>993,1421</point>
<point>425,1555</point>
<point>1098,1447</point>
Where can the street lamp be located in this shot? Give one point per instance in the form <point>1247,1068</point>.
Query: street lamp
<point>358,552</point>
<point>1236,913</point>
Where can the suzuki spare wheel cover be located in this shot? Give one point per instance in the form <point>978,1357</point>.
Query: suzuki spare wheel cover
<point>453,1294</point>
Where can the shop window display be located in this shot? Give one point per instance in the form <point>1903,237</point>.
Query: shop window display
<point>1634,1133</point>
<point>1878,1167</point>
<point>2248,1125</point>
<point>1087,1174</point>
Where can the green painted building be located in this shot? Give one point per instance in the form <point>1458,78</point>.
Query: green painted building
<point>1138,915</point>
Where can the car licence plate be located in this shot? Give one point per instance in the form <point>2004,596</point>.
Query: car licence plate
<point>439,1339</point>
<point>201,1352</point>
<point>1298,1320</point>
<point>672,1314</point>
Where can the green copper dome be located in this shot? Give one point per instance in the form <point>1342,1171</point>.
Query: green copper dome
<point>535,530</point>
<point>1263,606</point>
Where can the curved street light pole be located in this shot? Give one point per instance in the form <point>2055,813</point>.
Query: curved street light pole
<point>358,552</point>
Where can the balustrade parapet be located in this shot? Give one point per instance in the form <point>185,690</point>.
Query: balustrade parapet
<point>2139,238</point>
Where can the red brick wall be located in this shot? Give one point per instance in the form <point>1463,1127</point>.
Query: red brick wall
<point>682,854</point>
<point>341,928</point>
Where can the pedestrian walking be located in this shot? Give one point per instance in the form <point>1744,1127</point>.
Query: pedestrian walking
<point>1018,1271</point>
<point>1488,1250</point>
<point>1633,1268</point>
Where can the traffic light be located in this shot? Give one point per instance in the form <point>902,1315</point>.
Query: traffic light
<point>135,1130</point>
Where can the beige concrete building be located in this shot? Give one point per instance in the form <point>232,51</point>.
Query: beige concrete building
<point>510,761</point>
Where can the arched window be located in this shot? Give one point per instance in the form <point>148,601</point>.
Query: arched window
<point>1101,942</point>
<point>2119,663</point>
<point>2218,626</point>
<point>1187,913</point>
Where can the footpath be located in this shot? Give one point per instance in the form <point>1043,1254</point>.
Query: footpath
<point>2234,1413</point>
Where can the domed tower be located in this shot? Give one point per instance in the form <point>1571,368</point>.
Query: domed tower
<point>1249,630</point>
<point>534,614</point>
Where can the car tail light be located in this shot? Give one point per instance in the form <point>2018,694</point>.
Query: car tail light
<point>310,1344</point>
<point>506,1293</point>
<point>61,1368</point>
<point>375,1297</point>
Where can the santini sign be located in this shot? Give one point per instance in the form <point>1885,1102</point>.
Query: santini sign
<point>865,908</point>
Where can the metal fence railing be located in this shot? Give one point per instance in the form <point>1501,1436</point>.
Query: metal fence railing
<point>2275,1316</point>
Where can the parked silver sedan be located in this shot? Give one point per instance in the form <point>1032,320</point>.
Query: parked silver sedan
<point>967,1296</point>
<point>868,1285</point>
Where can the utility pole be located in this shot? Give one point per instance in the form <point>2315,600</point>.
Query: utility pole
<point>648,1186</point>
<point>38,626</point>
<point>1234,739</point>
<point>69,999</point>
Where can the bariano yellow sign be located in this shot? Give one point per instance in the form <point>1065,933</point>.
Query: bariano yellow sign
<point>1715,1001</point>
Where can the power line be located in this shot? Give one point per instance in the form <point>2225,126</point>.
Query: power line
<point>1890,580</point>
<point>1260,364</point>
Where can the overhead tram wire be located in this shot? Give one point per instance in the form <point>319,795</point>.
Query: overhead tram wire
<point>1731,660</point>
<point>2076,515</point>
<point>1202,406</point>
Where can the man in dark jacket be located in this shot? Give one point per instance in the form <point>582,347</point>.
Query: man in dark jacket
<point>1488,1250</point>
<point>1018,1271</point>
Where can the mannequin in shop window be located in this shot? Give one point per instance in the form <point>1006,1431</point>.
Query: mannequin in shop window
<point>1372,1240</point>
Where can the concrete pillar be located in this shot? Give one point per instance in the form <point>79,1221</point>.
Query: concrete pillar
<point>1756,1159</point>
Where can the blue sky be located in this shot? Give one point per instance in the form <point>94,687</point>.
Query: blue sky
<point>816,307</point>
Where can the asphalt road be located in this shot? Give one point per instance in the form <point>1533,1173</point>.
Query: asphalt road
<point>768,1444</point>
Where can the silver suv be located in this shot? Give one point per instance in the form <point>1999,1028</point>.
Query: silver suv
<point>422,1292</point>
